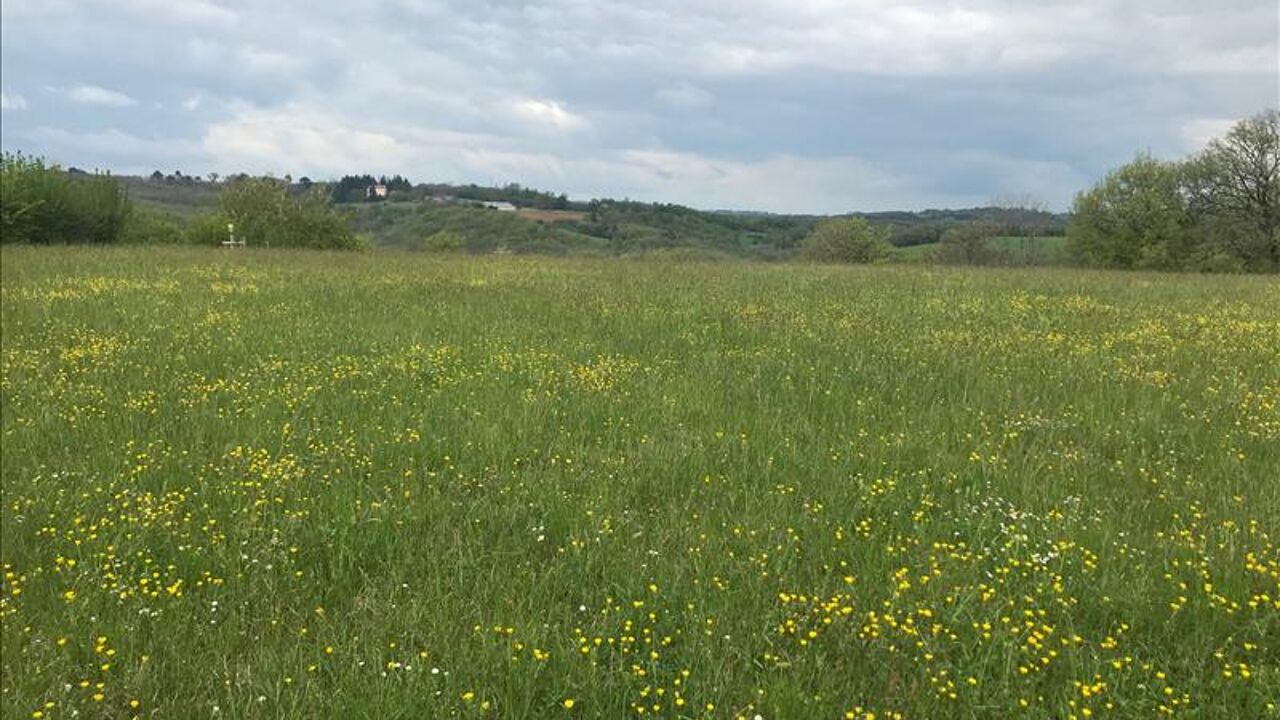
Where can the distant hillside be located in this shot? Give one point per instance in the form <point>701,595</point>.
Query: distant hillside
<point>439,216</point>
<point>1008,250</point>
<point>180,195</point>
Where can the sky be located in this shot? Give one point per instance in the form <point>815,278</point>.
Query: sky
<point>822,106</point>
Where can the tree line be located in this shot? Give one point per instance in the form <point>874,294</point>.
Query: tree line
<point>1216,210</point>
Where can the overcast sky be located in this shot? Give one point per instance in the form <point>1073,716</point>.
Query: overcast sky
<point>784,105</point>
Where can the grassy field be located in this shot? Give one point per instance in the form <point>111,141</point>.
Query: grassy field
<point>1027,250</point>
<point>299,485</point>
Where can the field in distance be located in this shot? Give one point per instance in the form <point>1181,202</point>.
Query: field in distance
<point>551,215</point>
<point>390,485</point>
<point>1029,250</point>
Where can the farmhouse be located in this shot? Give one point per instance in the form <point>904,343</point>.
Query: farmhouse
<point>376,192</point>
<point>499,205</point>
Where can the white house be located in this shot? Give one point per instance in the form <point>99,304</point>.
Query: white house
<point>502,205</point>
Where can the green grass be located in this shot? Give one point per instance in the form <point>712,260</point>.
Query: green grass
<point>1030,250</point>
<point>303,484</point>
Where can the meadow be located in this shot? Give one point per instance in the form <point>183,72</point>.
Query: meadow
<point>273,484</point>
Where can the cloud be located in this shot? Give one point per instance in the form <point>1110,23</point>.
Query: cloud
<point>684,95</point>
<point>12,102</point>
<point>292,139</point>
<point>181,12</point>
<point>1198,132</point>
<point>781,183</point>
<point>548,112</point>
<point>94,95</point>
<point>117,149</point>
<point>833,104</point>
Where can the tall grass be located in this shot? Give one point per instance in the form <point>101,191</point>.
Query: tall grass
<point>299,485</point>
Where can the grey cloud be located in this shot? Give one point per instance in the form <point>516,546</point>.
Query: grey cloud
<point>827,105</point>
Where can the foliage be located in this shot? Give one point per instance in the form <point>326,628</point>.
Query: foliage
<point>844,240</point>
<point>265,213</point>
<point>354,188</point>
<point>147,226</point>
<point>181,199</point>
<point>284,484</point>
<point>968,245</point>
<point>207,229</point>
<point>1234,189</point>
<point>1220,210</point>
<point>1137,217</point>
<point>43,205</point>
<point>444,241</point>
<point>432,227</point>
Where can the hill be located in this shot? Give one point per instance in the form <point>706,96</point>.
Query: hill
<point>435,216</point>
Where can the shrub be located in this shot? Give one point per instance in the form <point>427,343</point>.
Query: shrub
<point>968,244</point>
<point>1135,218</point>
<point>41,204</point>
<point>844,240</point>
<point>444,241</point>
<point>146,226</point>
<point>205,229</point>
<point>266,214</point>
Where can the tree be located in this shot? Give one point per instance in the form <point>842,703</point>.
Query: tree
<point>1233,188</point>
<point>1137,217</point>
<point>968,244</point>
<point>265,213</point>
<point>42,204</point>
<point>844,240</point>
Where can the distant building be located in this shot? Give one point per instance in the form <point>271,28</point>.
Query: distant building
<point>378,192</point>
<point>502,205</point>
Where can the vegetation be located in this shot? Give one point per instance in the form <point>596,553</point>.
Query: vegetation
<point>263,211</point>
<point>450,228</point>
<point>1234,191</point>
<point>1217,211</point>
<point>845,240</point>
<point>386,485</point>
<point>177,195</point>
<point>413,214</point>
<point>41,204</point>
<point>1136,218</point>
<point>1220,210</point>
<point>967,245</point>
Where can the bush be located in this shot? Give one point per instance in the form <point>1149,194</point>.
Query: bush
<point>205,229</point>
<point>968,244</point>
<point>444,241</point>
<point>844,240</point>
<point>266,214</point>
<point>41,204</point>
<point>1136,217</point>
<point>145,226</point>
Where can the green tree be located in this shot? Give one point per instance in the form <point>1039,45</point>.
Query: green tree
<point>264,213</point>
<point>844,240</point>
<point>42,204</point>
<point>967,244</point>
<point>1234,191</point>
<point>1137,217</point>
